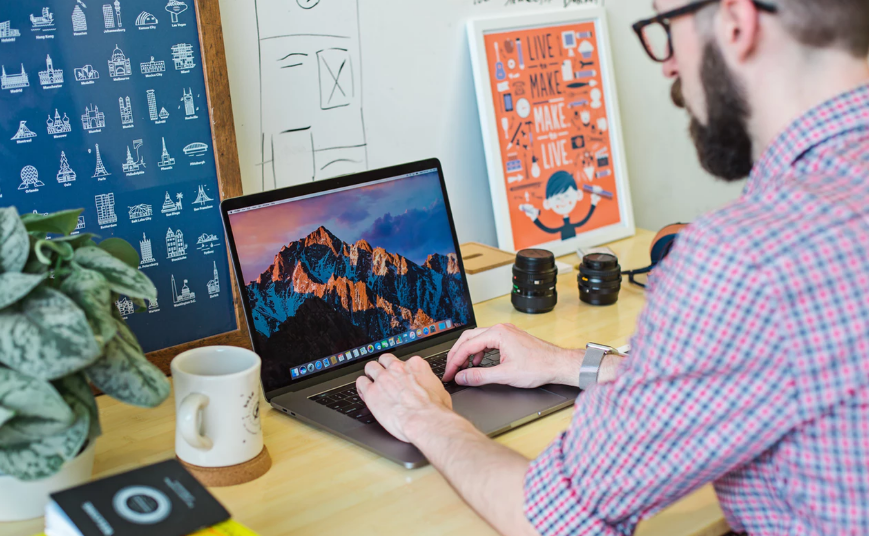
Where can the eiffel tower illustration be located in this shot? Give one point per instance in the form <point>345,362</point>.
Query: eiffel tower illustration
<point>101,169</point>
<point>202,197</point>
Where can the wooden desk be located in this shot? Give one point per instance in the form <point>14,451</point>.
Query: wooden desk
<point>322,485</point>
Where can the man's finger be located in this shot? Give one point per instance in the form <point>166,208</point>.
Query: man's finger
<point>363,384</point>
<point>473,377</point>
<point>387,359</point>
<point>373,369</point>
<point>459,358</point>
<point>466,336</point>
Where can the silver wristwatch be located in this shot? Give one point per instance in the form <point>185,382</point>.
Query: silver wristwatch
<point>594,354</point>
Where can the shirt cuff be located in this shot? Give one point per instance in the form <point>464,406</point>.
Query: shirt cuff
<point>553,503</point>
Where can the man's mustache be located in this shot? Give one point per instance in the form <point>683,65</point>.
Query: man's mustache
<point>676,94</point>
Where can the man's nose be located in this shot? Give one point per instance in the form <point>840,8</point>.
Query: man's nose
<point>670,69</point>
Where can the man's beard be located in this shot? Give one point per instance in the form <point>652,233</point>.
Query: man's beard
<point>724,146</point>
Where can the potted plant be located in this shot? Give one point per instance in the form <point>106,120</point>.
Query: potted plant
<point>60,333</point>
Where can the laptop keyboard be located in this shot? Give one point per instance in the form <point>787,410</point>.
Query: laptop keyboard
<point>345,399</point>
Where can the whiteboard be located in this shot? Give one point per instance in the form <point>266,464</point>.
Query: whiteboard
<point>321,88</point>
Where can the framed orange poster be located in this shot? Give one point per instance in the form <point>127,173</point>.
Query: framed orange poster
<point>550,119</point>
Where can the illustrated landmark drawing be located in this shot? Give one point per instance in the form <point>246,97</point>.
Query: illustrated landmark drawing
<point>100,171</point>
<point>58,125</point>
<point>184,296</point>
<point>93,118</point>
<point>119,64</point>
<point>146,19</point>
<point>169,206</point>
<point>140,211</point>
<point>125,306</point>
<point>13,81</point>
<point>79,21</point>
<point>112,17</point>
<point>182,55</point>
<point>214,285</point>
<point>175,246</point>
<point>7,31</point>
<point>145,247</point>
<point>189,108</point>
<point>50,76</point>
<point>165,159</point>
<point>66,174</point>
<point>131,166</point>
<point>46,20</point>
<point>23,133</point>
<point>30,178</point>
<point>202,197</point>
<point>175,8</point>
<point>105,209</point>
<point>86,73</point>
<point>126,110</point>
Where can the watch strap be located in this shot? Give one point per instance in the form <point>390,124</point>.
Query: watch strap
<point>588,372</point>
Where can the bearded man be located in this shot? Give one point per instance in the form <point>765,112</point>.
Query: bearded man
<point>749,368</point>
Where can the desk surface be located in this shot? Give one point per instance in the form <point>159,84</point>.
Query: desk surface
<point>320,484</point>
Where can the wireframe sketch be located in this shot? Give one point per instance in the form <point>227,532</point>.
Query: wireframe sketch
<point>214,285</point>
<point>30,178</point>
<point>23,132</point>
<point>65,174</point>
<point>7,31</point>
<point>13,81</point>
<point>58,125</point>
<point>146,19</point>
<point>105,208</point>
<point>184,296</point>
<point>311,120</point>
<point>100,171</point>
<point>125,306</point>
<point>142,210</point>
<point>175,8</point>
<point>46,20</point>
<point>50,76</point>
<point>79,21</point>
<point>147,253</point>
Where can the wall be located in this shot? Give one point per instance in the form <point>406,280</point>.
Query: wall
<point>418,101</point>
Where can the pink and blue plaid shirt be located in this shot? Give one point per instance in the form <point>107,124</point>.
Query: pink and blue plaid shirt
<point>750,364</point>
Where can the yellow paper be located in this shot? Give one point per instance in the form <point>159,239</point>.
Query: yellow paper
<point>227,528</point>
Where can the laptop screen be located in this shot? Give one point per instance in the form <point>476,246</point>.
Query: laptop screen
<point>332,277</point>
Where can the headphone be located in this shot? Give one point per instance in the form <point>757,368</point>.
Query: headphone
<point>661,247</point>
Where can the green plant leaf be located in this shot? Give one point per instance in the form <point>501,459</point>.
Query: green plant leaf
<point>79,240</point>
<point>61,223</point>
<point>14,286</point>
<point>14,242</point>
<point>5,415</point>
<point>44,248</point>
<point>122,250</point>
<point>126,374</point>
<point>40,411</point>
<point>44,457</point>
<point>90,291</point>
<point>76,387</point>
<point>122,278</point>
<point>46,336</point>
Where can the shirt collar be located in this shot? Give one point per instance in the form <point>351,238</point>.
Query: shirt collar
<point>842,114</point>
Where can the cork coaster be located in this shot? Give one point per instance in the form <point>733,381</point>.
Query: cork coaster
<point>217,477</point>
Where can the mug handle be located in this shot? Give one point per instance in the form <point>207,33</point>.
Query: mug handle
<point>189,418</point>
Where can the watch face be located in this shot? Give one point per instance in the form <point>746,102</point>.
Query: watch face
<point>523,108</point>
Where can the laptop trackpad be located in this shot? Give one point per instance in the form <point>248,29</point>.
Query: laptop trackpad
<point>492,407</point>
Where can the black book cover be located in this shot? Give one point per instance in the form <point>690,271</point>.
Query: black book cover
<point>159,499</point>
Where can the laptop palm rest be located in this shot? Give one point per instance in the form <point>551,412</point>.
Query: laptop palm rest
<point>494,407</point>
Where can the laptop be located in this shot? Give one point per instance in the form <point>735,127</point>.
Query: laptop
<point>334,273</point>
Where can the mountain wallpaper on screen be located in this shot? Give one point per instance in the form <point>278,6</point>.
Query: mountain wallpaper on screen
<point>346,295</point>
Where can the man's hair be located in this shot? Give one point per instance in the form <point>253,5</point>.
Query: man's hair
<point>558,183</point>
<point>828,23</point>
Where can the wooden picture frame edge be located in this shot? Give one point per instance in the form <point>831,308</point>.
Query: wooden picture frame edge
<point>476,29</point>
<point>223,140</point>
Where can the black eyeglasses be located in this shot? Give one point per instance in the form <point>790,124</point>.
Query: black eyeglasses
<point>655,34</point>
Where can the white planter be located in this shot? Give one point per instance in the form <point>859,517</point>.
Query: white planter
<point>26,500</point>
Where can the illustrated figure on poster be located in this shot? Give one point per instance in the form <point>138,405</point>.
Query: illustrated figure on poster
<point>562,196</point>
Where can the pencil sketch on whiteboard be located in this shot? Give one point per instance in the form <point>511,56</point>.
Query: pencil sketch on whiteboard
<point>311,119</point>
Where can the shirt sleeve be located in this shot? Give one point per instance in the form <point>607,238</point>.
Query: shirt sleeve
<point>705,390</point>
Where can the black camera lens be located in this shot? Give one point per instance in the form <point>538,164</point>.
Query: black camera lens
<point>534,278</point>
<point>599,279</point>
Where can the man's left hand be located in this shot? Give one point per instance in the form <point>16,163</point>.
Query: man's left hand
<point>400,394</point>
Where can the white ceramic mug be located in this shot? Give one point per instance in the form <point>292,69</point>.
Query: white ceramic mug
<point>217,396</point>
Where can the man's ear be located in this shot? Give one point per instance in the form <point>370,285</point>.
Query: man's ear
<point>546,204</point>
<point>737,29</point>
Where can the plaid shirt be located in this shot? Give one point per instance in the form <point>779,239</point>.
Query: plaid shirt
<point>750,364</point>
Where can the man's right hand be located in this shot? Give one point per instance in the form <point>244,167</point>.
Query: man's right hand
<point>531,211</point>
<point>526,361</point>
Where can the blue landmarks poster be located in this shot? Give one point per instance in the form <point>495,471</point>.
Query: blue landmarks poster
<point>103,107</point>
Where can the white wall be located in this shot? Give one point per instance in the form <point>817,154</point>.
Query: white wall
<point>430,50</point>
